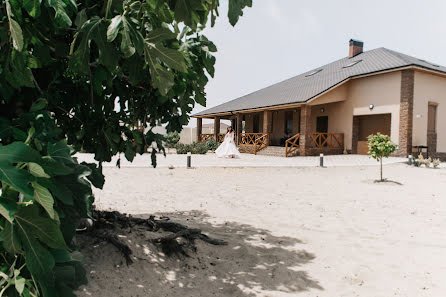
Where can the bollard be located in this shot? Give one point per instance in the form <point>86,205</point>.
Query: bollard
<point>321,159</point>
<point>189,157</point>
<point>410,160</point>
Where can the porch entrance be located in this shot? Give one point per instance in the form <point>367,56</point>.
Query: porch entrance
<point>322,124</point>
<point>371,124</point>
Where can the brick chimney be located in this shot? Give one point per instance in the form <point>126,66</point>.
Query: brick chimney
<point>355,47</point>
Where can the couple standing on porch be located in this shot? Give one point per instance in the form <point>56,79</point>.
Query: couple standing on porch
<point>228,149</point>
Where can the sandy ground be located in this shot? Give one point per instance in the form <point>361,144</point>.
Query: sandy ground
<point>326,232</point>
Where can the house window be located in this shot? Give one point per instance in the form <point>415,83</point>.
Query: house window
<point>352,64</point>
<point>313,72</point>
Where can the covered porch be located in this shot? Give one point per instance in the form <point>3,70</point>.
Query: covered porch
<point>301,130</point>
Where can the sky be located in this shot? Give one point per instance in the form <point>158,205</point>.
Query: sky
<point>279,39</point>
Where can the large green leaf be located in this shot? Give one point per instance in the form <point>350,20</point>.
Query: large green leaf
<point>39,104</point>
<point>7,209</point>
<point>185,11</point>
<point>18,179</point>
<point>79,62</point>
<point>172,58</point>
<point>32,7</point>
<point>160,34</point>
<point>132,40</point>
<point>81,18</point>
<point>96,177</point>
<point>18,152</point>
<point>10,240</point>
<point>46,230</point>
<point>18,73</point>
<point>53,167</point>
<point>60,151</point>
<point>16,34</point>
<point>58,189</point>
<point>37,170</point>
<point>107,50</point>
<point>44,198</point>
<point>114,27</point>
<point>130,152</point>
<point>61,18</point>
<point>39,260</point>
<point>236,9</point>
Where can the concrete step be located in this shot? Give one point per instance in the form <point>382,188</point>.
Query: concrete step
<point>276,151</point>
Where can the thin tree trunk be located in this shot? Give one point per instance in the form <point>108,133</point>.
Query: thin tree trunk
<point>381,163</point>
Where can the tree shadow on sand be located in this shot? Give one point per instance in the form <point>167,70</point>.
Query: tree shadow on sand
<point>254,263</point>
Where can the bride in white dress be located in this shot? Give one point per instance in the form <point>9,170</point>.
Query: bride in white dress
<point>227,148</point>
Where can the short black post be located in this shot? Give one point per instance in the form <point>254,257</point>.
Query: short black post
<point>189,159</point>
<point>410,160</point>
<point>321,160</point>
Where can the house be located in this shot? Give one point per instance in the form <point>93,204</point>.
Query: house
<point>333,108</point>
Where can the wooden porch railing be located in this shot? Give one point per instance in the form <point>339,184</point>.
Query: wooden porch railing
<point>258,141</point>
<point>206,137</point>
<point>292,145</point>
<point>327,140</point>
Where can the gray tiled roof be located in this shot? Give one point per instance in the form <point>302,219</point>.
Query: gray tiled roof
<point>303,87</point>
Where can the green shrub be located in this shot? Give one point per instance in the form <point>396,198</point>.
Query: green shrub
<point>195,148</point>
<point>172,139</point>
<point>182,148</point>
<point>200,148</point>
<point>380,146</point>
<point>420,161</point>
<point>436,163</point>
<point>212,144</point>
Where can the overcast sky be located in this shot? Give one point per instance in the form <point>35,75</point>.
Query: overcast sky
<point>278,39</point>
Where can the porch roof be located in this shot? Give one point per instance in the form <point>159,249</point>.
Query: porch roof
<point>304,87</point>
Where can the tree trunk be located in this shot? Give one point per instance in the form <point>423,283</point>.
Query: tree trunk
<point>381,163</point>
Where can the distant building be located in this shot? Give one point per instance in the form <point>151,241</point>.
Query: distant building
<point>333,108</point>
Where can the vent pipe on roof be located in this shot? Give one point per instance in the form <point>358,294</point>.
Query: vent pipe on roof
<point>355,47</point>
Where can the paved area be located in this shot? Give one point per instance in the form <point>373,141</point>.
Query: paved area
<point>247,160</point>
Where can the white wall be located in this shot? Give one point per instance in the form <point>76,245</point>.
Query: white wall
<point>429,87</point>
<point>383,91</point>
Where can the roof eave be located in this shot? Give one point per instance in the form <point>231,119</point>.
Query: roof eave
<point>296,104</point>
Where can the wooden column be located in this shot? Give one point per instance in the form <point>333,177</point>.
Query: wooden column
<point>305,130</point>
<point>267,121</point>
<point>199,129</point>
<point>216,127</point>
<point>238,127</point>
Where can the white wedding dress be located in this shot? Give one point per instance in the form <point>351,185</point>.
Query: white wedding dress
<point>227,148</point>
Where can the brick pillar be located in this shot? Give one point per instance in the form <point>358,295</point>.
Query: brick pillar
<point>406,113</point>
<point>199,129</point>
<point>432,143</point>
<point>239,127</point>
<point>216,128</point>
<point>355,135</point>
<point>305,130</point>
<point>267,122</point>
<point>296,121</point>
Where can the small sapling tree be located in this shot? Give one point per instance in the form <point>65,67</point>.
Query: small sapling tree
<point>380,146</point>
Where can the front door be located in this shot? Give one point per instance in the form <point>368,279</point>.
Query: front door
<point>371,124</point>
<point>322,124</point>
